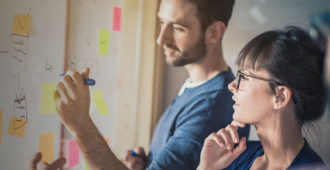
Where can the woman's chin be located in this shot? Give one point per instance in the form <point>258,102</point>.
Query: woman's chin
<point>238,118</point>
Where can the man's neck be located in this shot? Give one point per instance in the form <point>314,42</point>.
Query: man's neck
<point>212,64</point>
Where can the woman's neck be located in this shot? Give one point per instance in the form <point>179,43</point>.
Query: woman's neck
<point>281,139</point>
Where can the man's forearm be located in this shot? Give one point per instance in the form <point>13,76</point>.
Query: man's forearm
<point>95,150</point>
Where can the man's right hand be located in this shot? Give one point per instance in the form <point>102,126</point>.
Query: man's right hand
<point>37,165</point>
<point>73,100</point>
<point>137,162</point>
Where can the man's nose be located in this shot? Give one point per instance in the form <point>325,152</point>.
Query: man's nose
<point>164,36</point>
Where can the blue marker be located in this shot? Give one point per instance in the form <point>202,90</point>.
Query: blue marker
<point>90,82</point>
<point>134,153</point>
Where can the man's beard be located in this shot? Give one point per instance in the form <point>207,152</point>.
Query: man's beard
<point>191,55</point>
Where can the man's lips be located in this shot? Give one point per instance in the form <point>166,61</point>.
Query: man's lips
<point>169,52</point>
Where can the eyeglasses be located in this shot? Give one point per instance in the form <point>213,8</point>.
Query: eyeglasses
<point>243,76</point>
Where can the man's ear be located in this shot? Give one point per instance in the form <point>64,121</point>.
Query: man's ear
<point>215,32</point>
<point>283,95</point>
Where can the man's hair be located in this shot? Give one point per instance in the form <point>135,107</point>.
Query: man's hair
<point>210,11</point>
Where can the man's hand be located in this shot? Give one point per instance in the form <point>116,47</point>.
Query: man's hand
<point>136,162</point>
<point>218,151</point>
<point>37,165</point>
<point>73,100</point>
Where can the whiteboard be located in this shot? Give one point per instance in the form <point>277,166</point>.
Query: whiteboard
<point>87,18</point>
<point>27,61</point>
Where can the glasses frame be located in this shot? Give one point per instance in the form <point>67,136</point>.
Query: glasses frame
<point>239,75</point>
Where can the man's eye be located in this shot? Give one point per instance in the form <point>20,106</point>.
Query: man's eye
<point>177,28</point>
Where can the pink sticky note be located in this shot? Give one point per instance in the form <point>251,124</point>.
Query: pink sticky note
<point>116,25</point>
<point>73,154</point>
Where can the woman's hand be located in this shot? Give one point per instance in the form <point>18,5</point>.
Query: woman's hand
<point>218,151</point>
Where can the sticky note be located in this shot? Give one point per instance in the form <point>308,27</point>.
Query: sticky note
<point>22,24</point>
<point>0,126</point>
<point>99,101</point>
<point>104,42</point>
<point>46,147</point>
<point>73,154</point>
<point>17,126</point>
<point>116,25</point>
<point>107,140</point>
<point>48,105</point>
<point>86,167</point>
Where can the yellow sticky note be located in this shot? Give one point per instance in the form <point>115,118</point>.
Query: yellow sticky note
<point>22,24</point>
<point>99,101</point>
<point>46,146</point>
<point>86,167</point>
<point>0,126</point>
<point>104,42</point>
<point>17,126</point>
<point>48,105</point>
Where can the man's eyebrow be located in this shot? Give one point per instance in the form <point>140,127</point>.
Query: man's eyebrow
<point>175,22</point>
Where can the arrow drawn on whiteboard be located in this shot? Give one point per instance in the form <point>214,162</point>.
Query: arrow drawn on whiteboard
<point>19,50</point>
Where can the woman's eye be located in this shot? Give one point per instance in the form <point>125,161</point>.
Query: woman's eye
<point>244,77</point>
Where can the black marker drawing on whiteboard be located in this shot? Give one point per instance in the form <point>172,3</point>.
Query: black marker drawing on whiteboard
<point>18,47</point>
<point>20,110</point>
<point>48,68</point>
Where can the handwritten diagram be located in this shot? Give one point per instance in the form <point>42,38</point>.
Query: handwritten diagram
<point>18,51</point>
<point>20,110</point>
<point>80,63</point>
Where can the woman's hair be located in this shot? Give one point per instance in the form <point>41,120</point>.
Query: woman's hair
<point>292,58</point>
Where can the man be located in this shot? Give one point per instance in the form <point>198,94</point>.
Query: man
<point>191,34</point>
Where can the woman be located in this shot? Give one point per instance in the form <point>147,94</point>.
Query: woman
<point>277,89</point>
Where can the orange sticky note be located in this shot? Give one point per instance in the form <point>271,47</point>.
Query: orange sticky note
<point>22,24</point>
<point>107,140</point>
<point>0,125</point>
<point>46,147</point>
<point>17,126</point>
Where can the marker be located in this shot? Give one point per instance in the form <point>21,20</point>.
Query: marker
<point>90,82</point>
<point>135,154</point>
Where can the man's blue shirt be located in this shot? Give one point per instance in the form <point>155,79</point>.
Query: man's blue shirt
<point>191,117</point>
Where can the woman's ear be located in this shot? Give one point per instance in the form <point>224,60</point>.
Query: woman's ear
<point>283,95</point>
<point>215,32</point>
